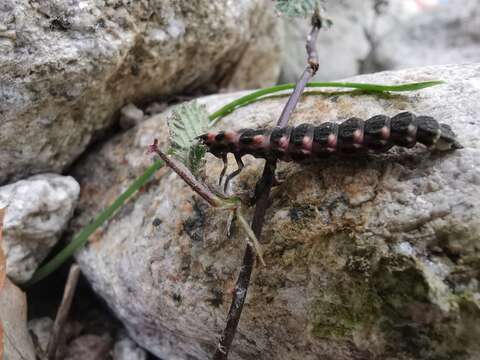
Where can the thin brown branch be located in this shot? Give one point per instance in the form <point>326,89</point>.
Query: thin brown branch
<point>63,310</point>
<point>187,176</point>
<point>263,189</point>
<point>308,73</point>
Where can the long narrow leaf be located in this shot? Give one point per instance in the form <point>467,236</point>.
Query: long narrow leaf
<point>82,237</point>
<point>227,109</point>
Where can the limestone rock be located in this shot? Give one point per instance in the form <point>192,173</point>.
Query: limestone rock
<point>89,346</point>
<point>126,349</point>
<point>37,212</point>
<point>446,34</point>
<point>17,344</point>
<point>366,257</point>
<point>66,67</point>
<point>130,116</point>
<point>41,330</point>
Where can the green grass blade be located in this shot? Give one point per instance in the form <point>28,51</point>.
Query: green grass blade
<point>227,109</point>
<point>82,237</point>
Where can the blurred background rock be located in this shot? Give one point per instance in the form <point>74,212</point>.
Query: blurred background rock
<point>375,35</point>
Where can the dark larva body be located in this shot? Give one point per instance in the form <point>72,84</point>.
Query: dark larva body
<point>377,134</point>
<point>353,136</point>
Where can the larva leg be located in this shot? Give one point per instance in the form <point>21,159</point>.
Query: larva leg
<point>224,170</point>
<point>277,181</point>
<point>241,165</point>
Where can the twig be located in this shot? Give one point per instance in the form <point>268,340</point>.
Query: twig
<point>63,310</point>
<point>263,188</point>
<point>232,204</point>
<point>187,176</point>
<point>308,73</point>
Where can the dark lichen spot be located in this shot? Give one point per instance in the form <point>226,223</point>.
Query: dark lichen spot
<point>299,212</point>
<point>217,298</point>
<point>194,225</point>
<point>60,24</point>
<point>177,297</point>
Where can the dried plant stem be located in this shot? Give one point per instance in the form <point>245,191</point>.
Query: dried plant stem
<point>263,194</point>
<point>63,310</point>
<point>187,176</point>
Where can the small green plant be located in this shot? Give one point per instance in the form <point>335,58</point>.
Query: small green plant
<point>187,122</point>
<point>297,8</point>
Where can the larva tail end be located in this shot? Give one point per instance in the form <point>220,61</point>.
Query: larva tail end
<point>456,145</point>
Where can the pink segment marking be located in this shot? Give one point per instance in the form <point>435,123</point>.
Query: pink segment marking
<point>385,132</point>
<point>332,142</point>
<point>358,136</point>
<point>283,143</point>
<point>307,144</point>
<point>258,140</point>
<point>230,135</point>
<point>211,137</point>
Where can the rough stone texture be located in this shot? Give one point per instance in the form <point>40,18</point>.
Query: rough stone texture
<point>366,258</point>
<point>13,317</point>
<point>89,333</point>
<point>38,210</point>
<point>41,330</point>
<point>126,349</point>
<point>446,34</point>
<point>94,347</point>
<point>130,116</point>
<point>67,66</point>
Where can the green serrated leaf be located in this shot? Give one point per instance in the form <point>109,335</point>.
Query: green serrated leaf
<point>297,8</point>
<point>188,121</point>
<point>196,158</point>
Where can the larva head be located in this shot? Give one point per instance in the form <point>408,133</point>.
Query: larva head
<point>447,139</point>
<point>219,143</point>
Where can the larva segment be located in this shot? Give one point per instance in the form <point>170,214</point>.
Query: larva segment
<point>429,130</point>
<point>376,133</point>
<point>447,139</point>
<point>403,129</point>
<point>379,134</point>
<point>279,142</point>
<point>254,142</point>
<point>301,142</point>
<point>325,139</point>
<point>350,135</point>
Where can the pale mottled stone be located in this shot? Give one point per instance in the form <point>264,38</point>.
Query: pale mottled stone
<point>37,212</point>
<point>126,349</point>
<point>446,34</point>
<point>366,258</point>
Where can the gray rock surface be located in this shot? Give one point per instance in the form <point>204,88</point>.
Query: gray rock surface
<point>38,209</point>
<point>341,47</point>
<point>126,349</point>
<point>41,330</point>
<point>130,116</point>
<point>366,258</point>
<point>66,67</point>
<point>90,331</point>
<point>446,34</point>
<point>16,342</point>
